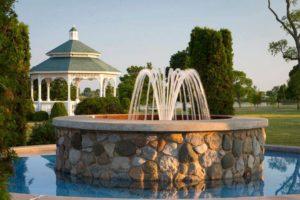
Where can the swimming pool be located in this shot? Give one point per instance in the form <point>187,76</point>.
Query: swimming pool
<point>36,175</point>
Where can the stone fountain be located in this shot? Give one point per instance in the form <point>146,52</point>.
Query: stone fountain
<point>168,136</point>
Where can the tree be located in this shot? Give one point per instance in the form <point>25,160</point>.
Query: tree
<point>294,87</point>
<point>241,86</point>
<point>14,86</point>
<point>277,94</point>
<point>210,53</point>
<point>255,96</point>
<point>290,22</point>
<point>179,60</point>
<point>126,86</point>
<point>87,92</point>
<point>14,79</point>
<point>109,90</point>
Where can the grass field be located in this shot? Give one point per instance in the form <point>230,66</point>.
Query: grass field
<point>284,123</point>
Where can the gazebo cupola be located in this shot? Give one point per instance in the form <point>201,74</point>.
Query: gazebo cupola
<point>72,61</point>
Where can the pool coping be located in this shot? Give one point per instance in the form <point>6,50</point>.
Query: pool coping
<point>51,148</point>
<point>119,122</point>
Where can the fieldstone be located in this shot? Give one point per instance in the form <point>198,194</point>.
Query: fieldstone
<point>256,147</point>
<point>137,161</point>
<point>183,168</point>
<point>179,177</point>
<point>60,141</point>
<point>240,134</point>
<point>171,149</point>
<point>214,141</point>
<point>168,164</point>
<point>221,153</point>
<point>250,161</point>
<point>248,145</point>
<point>125,148</point>
<point>151,137</point>
<point>195,139</point>
<point>208,158</point>
<point>88,149</point>
<point>106,175</point>
<point>228,161</point>
<point>227,143</point>
<point>153,144</point>
<point>76,141</point>
<point>74,156</point>
<point>120,164</point>
<point>114,138</point>
<point>88,158</point>
<point>201,149</point>
<point>136,173</point>
<point>150,170</point>
<point>140,141</point>
<point>191,180</point>
<point>175,137</point>
<point>86,141</point>
<point>95,170</point>
<point>240,166</point>
<point>80,167</point>
<point>187,154</point>
<point>161,145</point>
<point>109,148</point>
<point>214,172</point>
<point>237,148</point>
<point>98,149</point>
<point>149,153</point>
<point>228,174</point>
<point>101,137</point>
<point>196,169</point>
<point>103,159</point>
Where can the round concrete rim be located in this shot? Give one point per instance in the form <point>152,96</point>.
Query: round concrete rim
<point>91,122</point>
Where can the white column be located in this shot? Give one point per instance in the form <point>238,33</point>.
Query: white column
<point>115,87</point>
<point>39,93</point>
<point>31,90</point>
<point>104,88</point>
<point>77,90</point>
<point>48,89</point>
<point>69,96</point>
<point>100,86</point>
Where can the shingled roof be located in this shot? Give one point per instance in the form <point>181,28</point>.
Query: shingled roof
<point>75,56</point>
<point>74,46</point>
<point>61,64</point>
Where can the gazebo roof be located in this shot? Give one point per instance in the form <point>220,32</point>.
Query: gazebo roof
<point>75,64</point>
<point>73,56</point>
<point>72,46</point>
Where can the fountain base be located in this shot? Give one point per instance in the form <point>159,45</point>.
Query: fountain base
<point>109,147</point>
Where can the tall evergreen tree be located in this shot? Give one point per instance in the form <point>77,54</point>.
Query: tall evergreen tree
<point>14,79</point>
<point>210,53</point>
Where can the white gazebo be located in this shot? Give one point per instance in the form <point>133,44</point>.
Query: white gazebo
<point>72,61</point>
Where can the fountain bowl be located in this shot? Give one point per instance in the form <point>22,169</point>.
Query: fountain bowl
<point>111,147</point>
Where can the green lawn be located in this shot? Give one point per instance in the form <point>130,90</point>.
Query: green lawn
<point>284,123</point>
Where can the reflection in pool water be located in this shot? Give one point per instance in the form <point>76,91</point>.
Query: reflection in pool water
<point>36,175</point>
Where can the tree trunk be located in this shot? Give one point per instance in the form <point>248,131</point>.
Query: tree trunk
<point>278,104</point>
<point>298,104</point>
<point>240,104</point>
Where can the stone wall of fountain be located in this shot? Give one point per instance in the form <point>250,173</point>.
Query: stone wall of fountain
<point>182,157</point>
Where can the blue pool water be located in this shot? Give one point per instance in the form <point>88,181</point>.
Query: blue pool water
<point>36,175</point>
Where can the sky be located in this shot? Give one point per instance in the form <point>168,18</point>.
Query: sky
<point>134,32</point>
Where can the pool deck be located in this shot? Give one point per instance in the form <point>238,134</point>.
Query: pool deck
<point>16,196</point>
<point>50,149</point>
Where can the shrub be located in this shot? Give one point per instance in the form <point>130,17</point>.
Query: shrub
<point>40,116</point>
<point>99,105</point>
<point>43,134</point>
<point>58,109</point>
